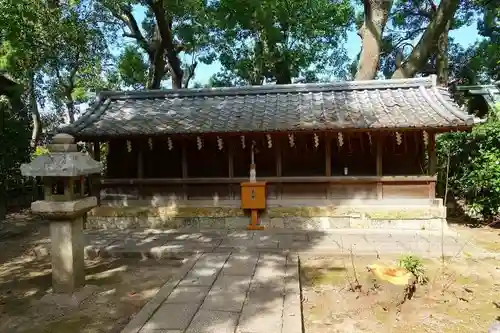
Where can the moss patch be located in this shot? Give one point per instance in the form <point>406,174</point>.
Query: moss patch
<point>106,211</point>
<point>317,276</point>
<point>272,212</point>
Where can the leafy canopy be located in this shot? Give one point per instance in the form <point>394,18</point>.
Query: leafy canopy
<point>278,40</point>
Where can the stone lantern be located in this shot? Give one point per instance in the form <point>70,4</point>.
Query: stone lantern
<point>63,170</point>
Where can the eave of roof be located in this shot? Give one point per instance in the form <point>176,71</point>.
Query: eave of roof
<point>307,106</point>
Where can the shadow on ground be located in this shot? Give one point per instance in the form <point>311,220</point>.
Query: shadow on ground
<point>245,279</point>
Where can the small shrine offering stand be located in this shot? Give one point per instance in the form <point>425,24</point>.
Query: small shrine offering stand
<point>253,198</point>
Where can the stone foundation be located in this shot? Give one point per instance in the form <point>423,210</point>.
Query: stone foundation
<point>288,218</point>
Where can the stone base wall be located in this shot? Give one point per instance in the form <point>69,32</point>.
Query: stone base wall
<point>289,218</point>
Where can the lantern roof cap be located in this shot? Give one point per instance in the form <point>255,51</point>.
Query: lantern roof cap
<point>62,160</point>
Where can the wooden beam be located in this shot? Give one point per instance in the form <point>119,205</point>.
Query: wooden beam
<point>280,133</point>
<point>380,151</point>
<point>275,180</point>
<point>432,190</point>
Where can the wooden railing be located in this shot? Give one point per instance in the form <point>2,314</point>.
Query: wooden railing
<point>276,180</point>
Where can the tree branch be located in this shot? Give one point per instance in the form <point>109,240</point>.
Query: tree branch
<point>422,51</point>
<point>72,73</point>
<point>190,72</point>
<point>167,42</point>
<point>125,15</point>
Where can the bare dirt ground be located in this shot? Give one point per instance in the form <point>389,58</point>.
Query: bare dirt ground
<point>461,296</point>
<point>485,237</point>
<point>121,286</point>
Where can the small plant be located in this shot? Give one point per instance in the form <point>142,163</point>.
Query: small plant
<point>415,266</point>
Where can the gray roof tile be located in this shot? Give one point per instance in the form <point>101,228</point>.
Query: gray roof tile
<point>391,104</point>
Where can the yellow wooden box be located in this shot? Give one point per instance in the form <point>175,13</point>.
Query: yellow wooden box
<point>253,195</point>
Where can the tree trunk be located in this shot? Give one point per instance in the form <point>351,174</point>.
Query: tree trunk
<point>283,73</point>
<point>35,114</point>
<point>165,24</point>
<point>376,14</point>
<point>442,56</point>
<point>427,43</point>
<point>3,202</point>
<point>70,106</point>
<point>176,77</point>
<point>189,74</point>
<point>156,69</point>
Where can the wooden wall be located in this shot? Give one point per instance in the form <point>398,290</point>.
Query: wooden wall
<point>217,172</point>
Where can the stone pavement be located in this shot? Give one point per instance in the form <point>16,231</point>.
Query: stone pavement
<point>227,293</point>
<point>248,281</point>
<point>178,243</point>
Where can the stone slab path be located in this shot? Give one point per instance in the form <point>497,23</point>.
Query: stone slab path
<point>227,293</point>
<point>248,281</point>
<point>172,243</point>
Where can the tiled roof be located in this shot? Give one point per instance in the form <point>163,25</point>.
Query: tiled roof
<point>490,93</point>
<point>392,104</point>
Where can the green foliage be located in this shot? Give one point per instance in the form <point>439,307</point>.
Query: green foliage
<point>132,68</point>
<point>168,37</point>
<point>14,139</point>
<point>474,171</point>
<point>278,40</point>
<point>415,266</point>
<point>39,151</point>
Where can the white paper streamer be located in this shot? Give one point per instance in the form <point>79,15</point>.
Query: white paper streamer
<point>220,143</point>
<point>426,137</point>
<point>340,138</point>
<point>399,138</point>
<point>269,141</point>
<point>199,143</point>
<point>291,139</point>
<point>170,143</point>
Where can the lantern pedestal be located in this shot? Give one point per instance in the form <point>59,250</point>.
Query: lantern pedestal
<point>67,242</point>
<point>68,269</point>
<point>63,171</point>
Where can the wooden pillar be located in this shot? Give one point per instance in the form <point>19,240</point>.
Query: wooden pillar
<point>380,147</point>
<point>431,153</point>
<point>95,180</point>
<point>328,162</point>
<point>140,166</point>
<point>97,151</point>
<point>328,155</point>
<point>279,186</point>
<point>184,167</point>
<point>230,161</point>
